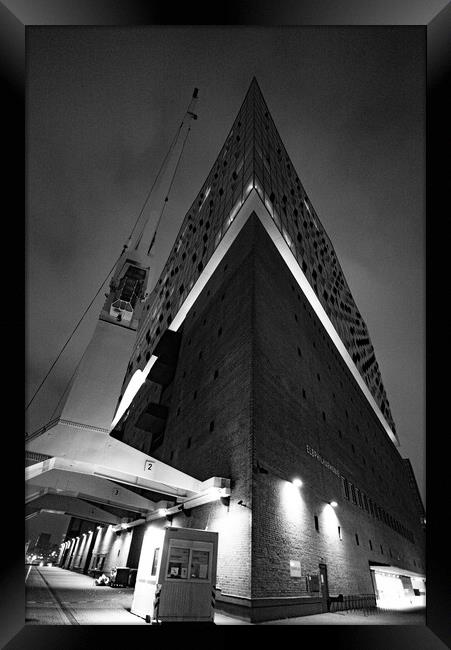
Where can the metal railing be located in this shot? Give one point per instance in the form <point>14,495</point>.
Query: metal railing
<point>365,603</point>
<point>33,457</point>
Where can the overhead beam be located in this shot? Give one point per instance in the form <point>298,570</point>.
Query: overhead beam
<point>91,451</point>
<point>70,506</point>
<point>66,482</point>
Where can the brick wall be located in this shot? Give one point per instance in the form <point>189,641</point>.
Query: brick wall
<point>305,395</point>
<point>255,361</point>
<point>208,432</point>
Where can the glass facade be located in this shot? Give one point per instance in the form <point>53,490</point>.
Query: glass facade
<point>253,156</point>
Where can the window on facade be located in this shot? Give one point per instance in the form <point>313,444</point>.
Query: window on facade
<point>339,533</point>
<point>359,496</point>
<point>316,523</point>
<point>188,443</point>
<point>354,499</point>
<point>212,425</point>
<point>371,545</point>
<point>345,487</point>
<point>357,540</point>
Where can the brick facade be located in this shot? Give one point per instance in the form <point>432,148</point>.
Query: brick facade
<point>255,360</point>
<point>262,394</point>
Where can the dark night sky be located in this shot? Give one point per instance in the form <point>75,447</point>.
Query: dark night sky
<point>103,106</point>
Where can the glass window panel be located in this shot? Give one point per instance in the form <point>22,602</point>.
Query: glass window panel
<point>177,563</point>
<point>200,564</point>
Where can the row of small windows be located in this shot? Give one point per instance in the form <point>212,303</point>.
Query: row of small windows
<point>164,278</point>
<point>370,364</point>
<point>147,337</point>
<point>300,354</point>
<point>356,537</point>
<point>354,494</point>
<point>211,428</point>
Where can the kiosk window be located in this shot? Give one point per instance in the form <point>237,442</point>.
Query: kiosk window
<point>199,564</point>
<point>178,563</point>
<point>155,562</point>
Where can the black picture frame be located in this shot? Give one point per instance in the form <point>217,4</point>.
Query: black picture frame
<point>435,16</point>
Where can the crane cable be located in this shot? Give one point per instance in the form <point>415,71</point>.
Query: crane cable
<point>191,114</point>
<point>169,151</point>
<point>169,190</point>
<point>74,330</point>
<point>171,147</point>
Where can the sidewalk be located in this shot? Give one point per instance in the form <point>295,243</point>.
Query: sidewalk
<point>55,596</point>
<point>356,617</point>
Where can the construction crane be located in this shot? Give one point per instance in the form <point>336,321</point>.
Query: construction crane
<point>130,281</point>
<point>180,136</point>
<point>130,271</point>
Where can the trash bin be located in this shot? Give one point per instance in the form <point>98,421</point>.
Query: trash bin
<point>120,577</point>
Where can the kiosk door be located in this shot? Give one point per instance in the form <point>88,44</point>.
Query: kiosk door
<point>147,574</point>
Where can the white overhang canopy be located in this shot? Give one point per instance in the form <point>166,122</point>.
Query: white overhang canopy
<point>67,505</point>
<point>395,570</point>
<point>81,451</point>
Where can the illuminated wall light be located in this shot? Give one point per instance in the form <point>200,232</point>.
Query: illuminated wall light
<point>334,504</point>
<point>292,501</point>
<point>161,512</point>
<point>330,520</point>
